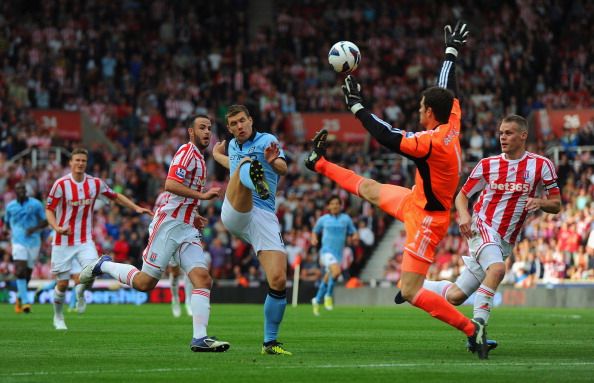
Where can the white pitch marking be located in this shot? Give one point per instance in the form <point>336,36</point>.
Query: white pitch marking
<point>337,366</point>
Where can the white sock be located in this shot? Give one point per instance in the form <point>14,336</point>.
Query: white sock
<point>120,271</point>
<point>438,287</point>
<point>188,287</point>
<point>483,301</point>
<point>200,311</point>
<point>80,291</point>
<point>174,287</point>
<point>59,302</point>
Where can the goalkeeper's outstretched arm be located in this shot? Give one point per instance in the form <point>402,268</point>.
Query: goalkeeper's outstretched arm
<point>454,41</point>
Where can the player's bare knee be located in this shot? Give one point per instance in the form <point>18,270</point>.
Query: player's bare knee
<point>20,270</point>
<point>62,285</point>
<point>277,281</point>
<point>143,282</point>
<point>455,296</point>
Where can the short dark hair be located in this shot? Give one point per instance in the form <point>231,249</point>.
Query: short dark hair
<point>518,120</point>
<point>193,118</point>
<point>79,151</point>
<point>236,109</point>
<point>333,197</point>
<point>440,100</point>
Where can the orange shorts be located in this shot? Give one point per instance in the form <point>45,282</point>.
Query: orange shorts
<point>424,229</point>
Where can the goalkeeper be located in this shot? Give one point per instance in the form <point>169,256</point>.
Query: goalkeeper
<point>424,209</point>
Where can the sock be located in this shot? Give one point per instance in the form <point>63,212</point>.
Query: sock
<point>274,310</point>
<point>59,302</point>
<point>438,287</point>
<point>330,289</point>
<point>72,298</point>
<point>244,176</point>
<point>22,290</point>
<point>321,291</point>
<point>347,179</point>
<point>49,286</point>
<point>200,311</point>
<point>80,291</point>
<point>174,287</point>
<point>441,309</point>
<point>120,271</point>
<point>483,301</point>
<point>188,290</point>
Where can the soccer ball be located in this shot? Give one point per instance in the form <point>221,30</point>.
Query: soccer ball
<point>344,56</point>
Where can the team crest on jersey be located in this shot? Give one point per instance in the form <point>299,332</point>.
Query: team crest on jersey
<point>252,149</point>
<point>180,172</point>
<point>526,175</point>
<point>153,257</point>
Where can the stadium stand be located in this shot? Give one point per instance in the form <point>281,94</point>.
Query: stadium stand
<point>137,71</point>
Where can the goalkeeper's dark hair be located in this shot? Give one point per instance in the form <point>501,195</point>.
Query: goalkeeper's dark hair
<point>440,100</point>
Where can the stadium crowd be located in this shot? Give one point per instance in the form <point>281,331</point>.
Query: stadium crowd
<point>138,71</point>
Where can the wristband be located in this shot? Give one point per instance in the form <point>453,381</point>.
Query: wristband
<point>451,50</point>
<point>357,107</point>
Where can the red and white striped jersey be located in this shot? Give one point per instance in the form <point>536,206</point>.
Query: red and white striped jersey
<point>506,186</point>
<point>73,204</point>
<point>188,168</point>
<point>160,201</point>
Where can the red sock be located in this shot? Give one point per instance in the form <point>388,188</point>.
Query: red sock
<point>441,309</point>
<point>347,179</point>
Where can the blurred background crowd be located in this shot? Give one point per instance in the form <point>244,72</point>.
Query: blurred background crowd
<point>138,69</point>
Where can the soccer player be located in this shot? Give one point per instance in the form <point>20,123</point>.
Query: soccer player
<point>334,228</point>
<point>172,234</point>
<point>255,162</point>
<point>425,210</point>
<point>175,275</point>
<point>69,211</point>
<point>25,218</point>
<point>508,184</point>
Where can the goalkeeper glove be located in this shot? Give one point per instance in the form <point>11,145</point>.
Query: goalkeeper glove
<point>456,38</point>
<point>352,94</point>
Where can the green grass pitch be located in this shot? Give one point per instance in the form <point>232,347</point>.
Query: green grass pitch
<point>124,343</point>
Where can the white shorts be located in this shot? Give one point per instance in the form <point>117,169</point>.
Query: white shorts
<point>173,240</point>
<point>76,268</point>
<point>259,227</point>
<point>63,256</point>
<point>24,253</point>
<point>327,259</point>
<point>481,256</point>
<point>482,236</point>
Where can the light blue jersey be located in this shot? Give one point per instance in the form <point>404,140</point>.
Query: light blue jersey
<point>254,148</point>
<point>21,217</point>
<point>334,230</point>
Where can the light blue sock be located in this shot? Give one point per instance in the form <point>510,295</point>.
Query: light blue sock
<point>244,176</point>
<point>274,309</point>
<point>321,292</point>
<point>22,291</point>
<point>330,289</point>
<point>49,286</point>
<point>72,303</point>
